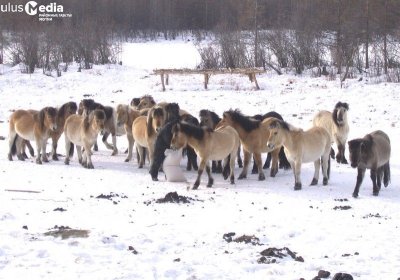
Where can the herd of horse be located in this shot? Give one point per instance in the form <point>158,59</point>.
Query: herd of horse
<point>151,128</point>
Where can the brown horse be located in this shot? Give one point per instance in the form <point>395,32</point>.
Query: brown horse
<point>372,152</point>
<point>312,145</point>
<point>83,131</point>
<point>126,115</point>
<point>337,125</point>
<point>145,129</point>
<point>208,145</point>
<point>110,125</point>
<point>27,126</point>
<point>253,135</point>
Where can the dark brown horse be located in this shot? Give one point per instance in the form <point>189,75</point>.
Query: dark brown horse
<point>371,152</point>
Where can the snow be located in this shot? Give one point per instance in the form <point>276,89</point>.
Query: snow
<point>185,241</point>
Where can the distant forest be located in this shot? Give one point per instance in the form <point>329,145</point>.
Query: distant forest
<point>347,36</point>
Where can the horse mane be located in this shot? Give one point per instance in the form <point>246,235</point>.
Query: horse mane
<point>272,114</point>
<point>214,116</point>
<point>194,131</point>
<point>63,108</point>
<point>336,109</point>
<point>245,122</point>
<point>172,110</point>
<point>283,125</point>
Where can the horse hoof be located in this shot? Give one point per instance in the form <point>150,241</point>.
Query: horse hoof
<point>114,153</point>
<point>126,160</point>
<point>375,193</point>
<point>55,158</point>
<point>45,160</point>
<point>195,186</point>
<point>90,166</point>
<point>261,177</point>
<point>38,161</point>
<point>254,171</point>
<point>297,186</point>
<point>344,161</point>
<point>154,178</point>
<point>10,157</point>
<point>314,182</point>
<point>355,195</point>
<point>66,162</point>
<point>209,185</point>
<point>242,176</point>
<point>325,181</point>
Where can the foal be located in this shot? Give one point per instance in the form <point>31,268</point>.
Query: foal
<point>28,126</point>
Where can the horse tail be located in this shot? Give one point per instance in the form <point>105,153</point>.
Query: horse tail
<point>283,161</point>
<point>386,174</point>
<point>13,148</point>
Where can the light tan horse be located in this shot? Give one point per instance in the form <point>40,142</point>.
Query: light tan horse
<point>145,129</point>
<point>82,130</point>
<point>25,125</point>
<point>126,115</point>
<point>337,125</point>
<point>253,135</point>
<point>146,101</point>
<point>63,113</point>
<point>209,145</point>
<point>312,145</point>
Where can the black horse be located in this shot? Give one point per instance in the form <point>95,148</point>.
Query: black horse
<point>163,140</point>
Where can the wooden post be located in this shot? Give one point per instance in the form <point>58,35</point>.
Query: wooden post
<point>167,79</point>
<point>250,77</point>
<point>206,77</point>
<point>162,81</point>
<point>255,80</point>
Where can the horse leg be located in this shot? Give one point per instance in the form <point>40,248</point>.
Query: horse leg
<point>332,153</point>
<point>247,156</point>
<point>88,158</point>
<point>114,141</point>
<point>20,146</point>
<point>39,150</point>
<point>210,178</point>
<point>360,177</point>
<point>317,165</point>
<point>131,141</point>
<point>79,153</point>
<point>326,168</point>
<point>297,173</point>
<point>239,158</point>
<point>283,161</point>
<point>192,159</point>
<point>254,170</point>
<point>67,151</point>
<point>140,151</point>
<point>257,158</point>
<point>214,166</point>
<point>199,172</point>
<point>275,162</point>
<point>232,165</point>
<point>54,155</point>
<point>44,155</point>
<point>219,166</point>
<point>375,190</point>
<point>342,149</point>
<point>95,147</point>
<point>267,161</point>
<point>379,176</point>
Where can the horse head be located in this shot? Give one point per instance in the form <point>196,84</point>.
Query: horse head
<point>339,114</point>
<point>97,118</point>
<point>359,150</point>
<point>146,101</point>
<point>48,118</point>
<point>155,120</point>
<point>172,111</point>
<point>276,136</point>
<point>179,139</point>
<point>122,114</point>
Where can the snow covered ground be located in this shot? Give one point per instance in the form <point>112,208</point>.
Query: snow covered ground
<point>130,236</point>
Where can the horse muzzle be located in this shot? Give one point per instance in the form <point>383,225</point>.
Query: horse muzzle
<point>270,146</point>
<point>54,128</point>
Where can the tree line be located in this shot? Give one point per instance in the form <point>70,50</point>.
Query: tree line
<point>357,35</point>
